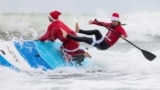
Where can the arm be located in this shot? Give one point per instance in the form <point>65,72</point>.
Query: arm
<point>49,35</point>
<point>45,36</point>
<point>123,36</point>
<point>99,23</point>
<point>123,33</point>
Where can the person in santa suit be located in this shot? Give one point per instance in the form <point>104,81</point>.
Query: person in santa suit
<point>101,42</point>
<point>70,48</point>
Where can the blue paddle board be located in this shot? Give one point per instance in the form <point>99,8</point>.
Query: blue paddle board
<point>4,62</point>
<point>34,54</point>
<point>50,52</point>
<point>29,52</point>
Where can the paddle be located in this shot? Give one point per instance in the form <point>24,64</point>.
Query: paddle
<point>150,56</point>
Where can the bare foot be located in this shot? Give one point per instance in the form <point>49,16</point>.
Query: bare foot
<point>86,54</point>
<point>77,28</point>
<point>64,33</point>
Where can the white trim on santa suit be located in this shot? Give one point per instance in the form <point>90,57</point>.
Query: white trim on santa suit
<point>51,17</point>
<point>115,18</point>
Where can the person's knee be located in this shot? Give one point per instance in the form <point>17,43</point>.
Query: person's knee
<point>98,34</point>
<point>88,40</point>
<point>79,58</point>
<point>96,31</point>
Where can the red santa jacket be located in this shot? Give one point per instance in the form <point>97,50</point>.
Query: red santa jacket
<point>54,32</point>
<point>111,38</point>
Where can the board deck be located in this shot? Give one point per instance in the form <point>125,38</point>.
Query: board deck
<point>12,56</point>
<point>29,52</point>
<point>4,62</point>
<point>50,52</point>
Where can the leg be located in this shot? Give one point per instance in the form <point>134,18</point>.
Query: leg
<point>79,58</point>
<point>86,54</point>
<point>76,38</point>
<point>81,39</point>
<point>87,40</point>
<point>95,32</point>
<point>88,32</point>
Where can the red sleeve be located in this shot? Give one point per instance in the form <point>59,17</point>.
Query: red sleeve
<point>49,35</point>
<point>102,23</point>
<point>122,32</point>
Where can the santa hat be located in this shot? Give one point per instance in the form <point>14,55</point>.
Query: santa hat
<point>115,17</point>
<point>54,15</point>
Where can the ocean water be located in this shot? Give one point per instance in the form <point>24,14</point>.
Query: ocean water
<point>122,67</point>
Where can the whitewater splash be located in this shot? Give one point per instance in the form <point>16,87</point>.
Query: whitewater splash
<point>140,26</point>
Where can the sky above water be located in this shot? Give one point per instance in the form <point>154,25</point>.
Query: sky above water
<point>78,6</point>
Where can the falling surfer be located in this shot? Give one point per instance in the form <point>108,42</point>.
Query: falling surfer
<point>70,48</point>
<point>101,42</point>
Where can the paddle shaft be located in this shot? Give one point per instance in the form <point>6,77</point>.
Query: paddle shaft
<point>124,38</point>
<point>132,44</point>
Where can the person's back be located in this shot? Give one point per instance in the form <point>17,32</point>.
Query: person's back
<point>112,38</point>
<point>69,47</point>
<point>67,43</point>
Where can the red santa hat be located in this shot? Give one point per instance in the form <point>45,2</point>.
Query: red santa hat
<point>54,15</point>
<point>115,17</point>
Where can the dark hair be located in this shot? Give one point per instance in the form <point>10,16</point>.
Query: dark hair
<point>112,26</point>
<point>119,23</point>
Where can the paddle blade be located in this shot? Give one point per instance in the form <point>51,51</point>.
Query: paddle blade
<point>150,56</point>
